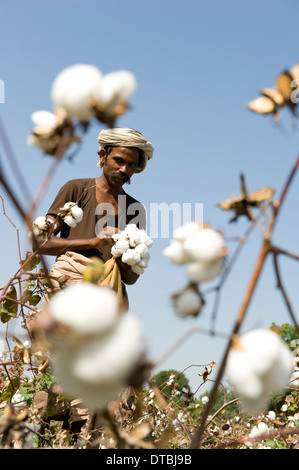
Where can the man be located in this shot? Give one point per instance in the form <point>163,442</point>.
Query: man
<point>107,208</point>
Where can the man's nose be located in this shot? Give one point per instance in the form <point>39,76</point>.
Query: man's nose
<point>123,169</point>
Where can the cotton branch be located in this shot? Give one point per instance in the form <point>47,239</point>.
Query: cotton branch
<point>265,249</point>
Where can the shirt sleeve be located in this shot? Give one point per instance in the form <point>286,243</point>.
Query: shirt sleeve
<point>68,193</point>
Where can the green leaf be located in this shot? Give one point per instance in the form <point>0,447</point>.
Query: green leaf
<point>30,263</point>
<point>9,306</point>
<point>11,389</point>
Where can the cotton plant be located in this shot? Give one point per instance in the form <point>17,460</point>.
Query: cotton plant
<point>258,363</point>
<point>132,246</point>
<point>71,213</point>
<point>47,131</point>
<point>84,92</point>
<point>203,250</point>
<point>94,348</point>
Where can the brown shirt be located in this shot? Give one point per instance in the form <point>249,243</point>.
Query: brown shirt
<point>95,216</point>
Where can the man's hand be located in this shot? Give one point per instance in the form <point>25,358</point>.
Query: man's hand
<point>104,238</point>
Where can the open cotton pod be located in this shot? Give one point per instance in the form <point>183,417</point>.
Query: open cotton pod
<point>71,213</point>
<point>42,227</point>
<point>48,130</point>
<point>187,302</point>
<point>113,99</point>
<point>259,363</point>
<point>75,87</point>
<point>206,245</point>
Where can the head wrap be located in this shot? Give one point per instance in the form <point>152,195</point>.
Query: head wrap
<point>125,137</point>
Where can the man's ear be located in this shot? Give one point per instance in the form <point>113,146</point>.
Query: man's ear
<point>102,156</point>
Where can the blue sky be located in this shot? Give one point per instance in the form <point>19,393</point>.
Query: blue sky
<point>197,64</point>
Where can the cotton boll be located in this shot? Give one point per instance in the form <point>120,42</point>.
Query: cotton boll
<point>77,213</point>
<point>138,269</point>
<point>40,223</point>
<point>142,249</point>
<point>294,380</point>
<point>187,302</point>
<point>130,257</point>
<point>74,87</point>
<point>206,245</point>
<point>177,253</point>
<point>144,238</point>
<point>270,354</point>
<point>94,396</point>
<point>120,247</point>
<point>70,221</point>
<point>40,227</point>
<point>44,119</point>
<point>200,271</point>
<point>259,364</point>
<point>117,87</point>
<point>85,308</point>
<point>112,359</point>
<point>186,231</point>
<point>241,376</point>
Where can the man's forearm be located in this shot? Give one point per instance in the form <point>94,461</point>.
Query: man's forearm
<point>57,246</point>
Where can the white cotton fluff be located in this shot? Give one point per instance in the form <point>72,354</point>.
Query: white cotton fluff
<point>96,358</point>
<point>176,252</point>
<point>94,309</point>
<point>203,249</point>
<point>44,120</point>
<point>259,364</point>
<point>187,230</point>
<point>200,271</point>
<point>132,245</point>
<point>74,87</point>
<point>113,357</point>
<point>41,226</point>
<point>74,215</point>
<point>256,432</point>
<point>205,245</point>
<point>117,87</point>
<point>187,303</point>
<point>294,380</point>
<point>130,257</point>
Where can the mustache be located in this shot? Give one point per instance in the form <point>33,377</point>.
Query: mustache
<point>123,177</point>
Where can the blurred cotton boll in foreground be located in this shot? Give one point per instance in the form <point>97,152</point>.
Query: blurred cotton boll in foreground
<point>259,363</point>
<point>117,87</point>
<point>73,89</point>
<point>48,130</point>
<point>95,349</point>
<point>113,99</point>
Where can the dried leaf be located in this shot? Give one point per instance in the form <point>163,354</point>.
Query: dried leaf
<point>262,105</point>
<point>241,205</point>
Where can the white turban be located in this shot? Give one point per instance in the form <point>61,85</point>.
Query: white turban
<point>125,137</point>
